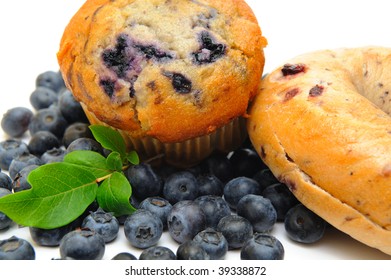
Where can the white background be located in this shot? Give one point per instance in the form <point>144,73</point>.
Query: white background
<point>30,32</point>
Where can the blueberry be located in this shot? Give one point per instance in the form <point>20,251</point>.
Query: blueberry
<point>10,149</point>
<point>75,131</point>
<point>191,250</point>
<point>265,178</point>
<point>43,97</point>
<point>82,244</point>
<point>218,165</point>
<point>185,220</point>
<point>281,198</point>
<point>209,184</point>
<point>5,221</point>
<point>49,237</point>
<point>85,144</point>
<point>42,141</point>
<point>50,79</point>
<point>258,210</point>
<point>144,181</point>
<point>20,182</point>
<point>262,247</point>
<point>158,206</point>
<point>49,119</point>
<point>210,50</point>
<point>214,207</point>
<point>303,225</point>
<point>236,229</point>
<point>15,121</point>
<point>5,181</point>
<point>213,242</point>
<point>53,155</point>
<point>246,162</point>
<point>179,82</point>
<point>21,162</point>
<point>143,229</point>
<point>238,187</point>
<point>103,223</point>
<point>70,108</point>
<point>124,256</point>
<point>180,186</point>
<point>15,248</point>
<point>157,253</point>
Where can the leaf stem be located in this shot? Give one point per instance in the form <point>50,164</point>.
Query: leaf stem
<point>98,180</point>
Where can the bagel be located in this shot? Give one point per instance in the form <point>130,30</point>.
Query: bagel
<point>321,122</point>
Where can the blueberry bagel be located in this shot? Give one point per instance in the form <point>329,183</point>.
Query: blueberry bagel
<point>172,70</point>
<point>321,123</point>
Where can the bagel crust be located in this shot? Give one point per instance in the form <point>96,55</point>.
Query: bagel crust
<point>321,123</point>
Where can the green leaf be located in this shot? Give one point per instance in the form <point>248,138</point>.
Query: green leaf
<point>60,193</point>
<point>133,157</point>
<point>92,162</point>
<point>114,161</point>
<point>109,138</point>
<point>114,194</point>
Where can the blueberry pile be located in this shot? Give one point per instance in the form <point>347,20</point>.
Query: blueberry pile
<point>227,202</point>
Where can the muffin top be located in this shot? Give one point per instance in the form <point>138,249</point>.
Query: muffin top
<point>169,69</point>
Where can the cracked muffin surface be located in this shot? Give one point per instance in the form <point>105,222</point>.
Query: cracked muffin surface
<point>169,69</point>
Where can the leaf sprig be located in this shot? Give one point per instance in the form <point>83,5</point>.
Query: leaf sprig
<point>62,191</point>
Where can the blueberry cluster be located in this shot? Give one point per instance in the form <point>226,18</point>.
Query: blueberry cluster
<point>227,202</point>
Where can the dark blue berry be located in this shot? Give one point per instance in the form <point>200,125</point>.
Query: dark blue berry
<point>281,198</point>
<point>20,182</point>
<point>236,229</point>
<point>210,50</point>
<point>209,184</point>
<point>179,82</point>
<point>75,131</point>
<point>82,244</point>
<point>158,206</point>
<point>144,180</point>
<point>191,250</point>
<point>10,149</point>
<point>42,141</point>
<point>15,248</point>
<point>49,237</point>
<point>5,221</point>
<point>85,144</point>
<point>238,187</point>
<point>49,119</point>
<point>15,121</point>
<point>103,223</point>
<point>262,247</point>
<point>185,220</point>
<point>53,155</point>
<point>180,186</point>
<point>21,162</point>
<point>143,229</point>
<point>213,242</point>
<point>265,178</point>
<point>152,52</point>
<point>214,207</point>
<point>157,253</point>
<point>246,162</point>
<point>5,181</point>
<point>259,211</point>
<point>218,165</point>
<point>43,97</point>
<point>50,79</point>
<point>124,256</point>
<point>303,225</point>
<point>70,108</point>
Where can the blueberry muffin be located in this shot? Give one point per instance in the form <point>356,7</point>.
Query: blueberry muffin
<point>175,77</point>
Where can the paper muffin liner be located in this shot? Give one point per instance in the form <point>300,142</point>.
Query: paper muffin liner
<point>188,153</point>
